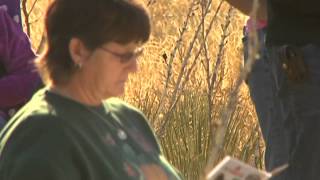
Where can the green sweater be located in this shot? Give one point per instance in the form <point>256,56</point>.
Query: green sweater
<point>55,138</point>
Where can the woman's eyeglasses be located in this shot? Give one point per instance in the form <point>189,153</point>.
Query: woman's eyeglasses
<point>125,57</point>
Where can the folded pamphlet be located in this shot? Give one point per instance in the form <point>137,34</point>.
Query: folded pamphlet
<point>233,169</point>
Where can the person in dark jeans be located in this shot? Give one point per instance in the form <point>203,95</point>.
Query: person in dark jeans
<point>293,43</point>
<point>262,92</point>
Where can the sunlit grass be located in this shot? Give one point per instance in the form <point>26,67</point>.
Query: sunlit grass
<point>189,108</point>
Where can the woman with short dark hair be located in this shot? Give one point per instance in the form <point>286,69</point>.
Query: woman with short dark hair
<point>71,129</point>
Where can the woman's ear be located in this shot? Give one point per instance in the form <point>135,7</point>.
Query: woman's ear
<point>78,51</point>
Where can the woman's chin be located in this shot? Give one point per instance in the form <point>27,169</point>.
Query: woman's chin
<point>117,93</point>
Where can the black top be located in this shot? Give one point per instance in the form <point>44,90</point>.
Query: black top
<point>293,22</point>
<point>55,138</point>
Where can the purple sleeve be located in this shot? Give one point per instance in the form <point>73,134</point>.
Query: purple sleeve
<point>17,57</point>
<point>13,9</point>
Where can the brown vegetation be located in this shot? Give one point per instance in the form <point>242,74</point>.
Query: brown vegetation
<point>188,82</point>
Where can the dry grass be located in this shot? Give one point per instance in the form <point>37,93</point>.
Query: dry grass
<point>186,77</point>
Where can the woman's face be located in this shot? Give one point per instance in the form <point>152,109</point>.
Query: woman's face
<point>107,68</point>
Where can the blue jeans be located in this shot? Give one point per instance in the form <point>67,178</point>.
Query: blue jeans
<point>263,94</point>
<point>301,111</point>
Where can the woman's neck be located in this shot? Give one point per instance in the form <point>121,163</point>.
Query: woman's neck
<point>76,93</point>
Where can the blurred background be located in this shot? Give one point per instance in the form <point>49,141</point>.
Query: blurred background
<point>187,82</point>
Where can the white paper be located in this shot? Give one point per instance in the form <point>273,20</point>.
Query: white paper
<point>233,169</point>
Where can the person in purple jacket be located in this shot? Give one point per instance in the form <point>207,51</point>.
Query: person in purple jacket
<point>18,78</point>
<point>13,9</point>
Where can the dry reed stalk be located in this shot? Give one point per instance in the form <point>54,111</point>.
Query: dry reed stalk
<point>221,126</point>
<point>27,14</point>
<point>212,75</point>
<point>172,56</point>
<point>179,86</point>
<point>202,47</point>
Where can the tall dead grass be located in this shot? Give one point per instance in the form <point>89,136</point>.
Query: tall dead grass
<point>187,76</point>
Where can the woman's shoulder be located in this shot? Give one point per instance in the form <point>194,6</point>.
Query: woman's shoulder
<point>36,106</point>
<point>127,113</point>
<point>118,105</point>
<point>39,138</point>
<point>36,117</point>
<point>34,123</point>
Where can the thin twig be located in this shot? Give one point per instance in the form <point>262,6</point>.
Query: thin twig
<point>182,72</point>
<point>172,56</point>
<point>32,7</point>
<point>221,129</point>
